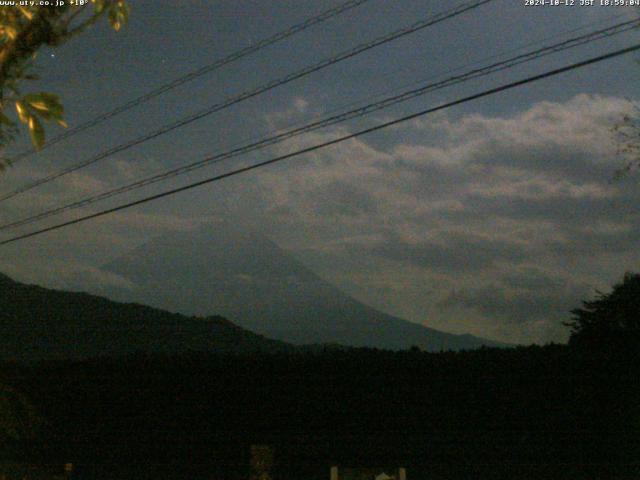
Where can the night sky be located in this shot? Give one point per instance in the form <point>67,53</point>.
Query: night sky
<point>493,218</point>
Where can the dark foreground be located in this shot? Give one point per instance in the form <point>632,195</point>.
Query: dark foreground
<point>539,412</point>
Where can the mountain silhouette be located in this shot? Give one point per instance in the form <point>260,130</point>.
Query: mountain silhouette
<point>242,275</point>
<point>39,324</point>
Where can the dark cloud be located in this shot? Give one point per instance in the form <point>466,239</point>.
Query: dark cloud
<point>455,252</point>
<point>503,304</point>
<point>343,199</point>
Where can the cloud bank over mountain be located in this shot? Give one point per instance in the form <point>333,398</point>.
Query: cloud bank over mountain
<point>479,223</point>
<point>494,225</point>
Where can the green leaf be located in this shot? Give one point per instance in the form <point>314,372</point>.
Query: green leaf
<point>124,11</point>
<point>50,97</point>
<point>37,102</point>
<point>43,114</point>
<point>26,12</point>
<point>118,14</point>
<point>113,20</point>
<point>55,106</point>
<point>47,105</point>
<point>99,5</point>
<point>23,112</point>
<point>37,132</point>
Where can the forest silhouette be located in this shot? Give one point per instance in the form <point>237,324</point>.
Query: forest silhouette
<point>554,411</point>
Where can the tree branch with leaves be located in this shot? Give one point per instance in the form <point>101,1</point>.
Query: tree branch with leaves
<point>611,320</point>
<point>23,31</point>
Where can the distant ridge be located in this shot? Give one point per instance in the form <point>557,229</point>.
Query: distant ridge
<point>38,324</point>
<point>242,275</point>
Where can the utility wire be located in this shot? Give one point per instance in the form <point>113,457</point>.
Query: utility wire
<point>335,119</point>
<point>237,55</point>
<point>382,93</point>
<point>280,158</point>
<point>432,20</point>
<point>370,97</point>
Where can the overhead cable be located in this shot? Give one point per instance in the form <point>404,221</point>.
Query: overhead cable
<point>188,77</point>
<point>335,119</point>
<point>431,20</point>
<point>335,141</point>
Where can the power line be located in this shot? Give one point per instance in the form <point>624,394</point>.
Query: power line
<point>237,55</point>
<point>335,119</point>
<point>386,91</point>
<point>280,158</point>
<point>432,20</point>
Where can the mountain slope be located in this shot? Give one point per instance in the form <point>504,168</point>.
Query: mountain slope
<point>38,323</point>
<point>246,277</point>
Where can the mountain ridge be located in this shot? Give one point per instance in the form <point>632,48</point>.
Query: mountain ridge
<point>39,323</point>
<point>245,276</point>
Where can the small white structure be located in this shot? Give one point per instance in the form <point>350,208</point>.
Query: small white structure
<point>384,476</point>
<point>334,473</point>
<point>401,474</point>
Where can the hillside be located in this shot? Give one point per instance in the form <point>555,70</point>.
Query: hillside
<point>39,323</point>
